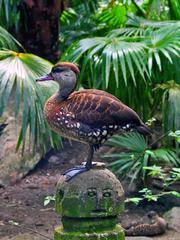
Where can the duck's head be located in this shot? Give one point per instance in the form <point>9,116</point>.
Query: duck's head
<point>65,74</point>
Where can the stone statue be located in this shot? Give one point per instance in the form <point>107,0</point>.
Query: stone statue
<point>89,205</point>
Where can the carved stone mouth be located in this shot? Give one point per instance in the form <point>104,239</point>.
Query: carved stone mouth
<point>99,210</point>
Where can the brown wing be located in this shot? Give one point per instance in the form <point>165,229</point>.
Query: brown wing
<point>98,108</point>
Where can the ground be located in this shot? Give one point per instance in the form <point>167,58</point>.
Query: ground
<point>22,204</point>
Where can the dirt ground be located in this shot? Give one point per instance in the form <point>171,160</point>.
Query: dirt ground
<point>22,205</point>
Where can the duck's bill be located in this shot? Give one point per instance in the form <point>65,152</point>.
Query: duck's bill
<point>47,77</point>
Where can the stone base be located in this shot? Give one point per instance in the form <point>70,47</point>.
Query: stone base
<point>116,234</point>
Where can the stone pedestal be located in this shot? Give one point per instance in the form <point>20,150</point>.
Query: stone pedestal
<point>89,205</point>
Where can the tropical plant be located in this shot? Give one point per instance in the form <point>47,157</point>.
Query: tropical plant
<point>129,62</point>
<point>136,156</point>
<point>9,14</point>
<point>170,103</point>
<point>18,71</point>
<point>167,179</point>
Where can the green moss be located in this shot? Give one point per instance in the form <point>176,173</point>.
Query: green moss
<point>115,234</point>
<point>73,206</point>
<point>89,224</point>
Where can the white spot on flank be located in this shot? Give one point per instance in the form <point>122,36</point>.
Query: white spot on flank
<point>111,126</point>
<point>96,134</point>
<point>115,127</point>
<point>104,133</point>
<point>78,125</point>
<point>66,121</point>
<point>89,134</point>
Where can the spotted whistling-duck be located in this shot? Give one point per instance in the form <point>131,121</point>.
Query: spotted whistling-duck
<point>89,116</point>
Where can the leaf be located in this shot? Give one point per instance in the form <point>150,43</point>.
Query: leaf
<point>18,71</point>
<point>135,200</point>
<point>131,141</point>
<point>7,41</point>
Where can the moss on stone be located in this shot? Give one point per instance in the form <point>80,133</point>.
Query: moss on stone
<point>115,234</point>
<point>89,224</point>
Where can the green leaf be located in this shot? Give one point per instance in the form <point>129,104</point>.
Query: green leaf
<point>18,72</point>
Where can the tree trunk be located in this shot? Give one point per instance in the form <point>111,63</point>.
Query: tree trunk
<point>39,29</point>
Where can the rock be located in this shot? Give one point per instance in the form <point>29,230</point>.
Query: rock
<point>14,166</point>
<point>54,160</point>
<point>173,218</point>
<point>138,238</point>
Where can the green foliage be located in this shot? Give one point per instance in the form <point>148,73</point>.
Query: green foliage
<point>176,135</point>
<point>170,101</point>
<point>49,199</point>
<point>134,162</point>
<point>18,72</point>
<point>113,15</point>
<point>9,14</point>
<point>167,179</point>
<point>7,41</point>
<point>174,7</point>
<point>128,62</point>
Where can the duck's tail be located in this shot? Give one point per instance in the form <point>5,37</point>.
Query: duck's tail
<point>143,129</point>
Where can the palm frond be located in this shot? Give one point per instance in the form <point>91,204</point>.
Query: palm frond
<point>171,110</point>
<point>113,15</point>
<point>135,156</point>
<point>7,41</point>
<point>139,22</point>
<point>166,155</point>
<point>18,72</point>
<point>163,42</point>
<point>131,141</point>
<point>115,54</point>
<point>9,14</point>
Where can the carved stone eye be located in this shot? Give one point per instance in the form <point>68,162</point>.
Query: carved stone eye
<point>92,193</point>
<point>107,193</point>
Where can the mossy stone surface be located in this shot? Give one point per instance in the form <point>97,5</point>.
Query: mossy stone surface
<point>89,224</point>
<point>89,205</point>
<point>95,193</point>
<point>115,234</point>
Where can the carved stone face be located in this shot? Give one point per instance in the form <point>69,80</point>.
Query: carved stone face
<point>92,194</point>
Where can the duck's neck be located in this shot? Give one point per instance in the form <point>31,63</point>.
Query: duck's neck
<point>64,91</point>
<point>63,94</point>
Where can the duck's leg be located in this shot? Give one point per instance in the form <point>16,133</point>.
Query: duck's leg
<point>88,165</point>
<point>71,173</point>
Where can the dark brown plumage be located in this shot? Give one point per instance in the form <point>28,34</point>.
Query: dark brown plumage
<point>89,116</point>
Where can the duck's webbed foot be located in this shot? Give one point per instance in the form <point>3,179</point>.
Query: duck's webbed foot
<point>71,173</point>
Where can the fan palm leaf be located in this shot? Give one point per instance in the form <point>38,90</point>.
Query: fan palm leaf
<point>18,72</point>
<point>136,156</point>
<point>7,41</point>
<point>116,54</point>
<point>139,22</point>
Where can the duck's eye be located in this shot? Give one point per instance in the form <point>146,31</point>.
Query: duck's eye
<point>57,70</point>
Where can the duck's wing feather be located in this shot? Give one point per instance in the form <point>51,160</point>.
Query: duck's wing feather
<point>98,108</point>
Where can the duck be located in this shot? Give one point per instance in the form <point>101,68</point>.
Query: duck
<point>89,116</point>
